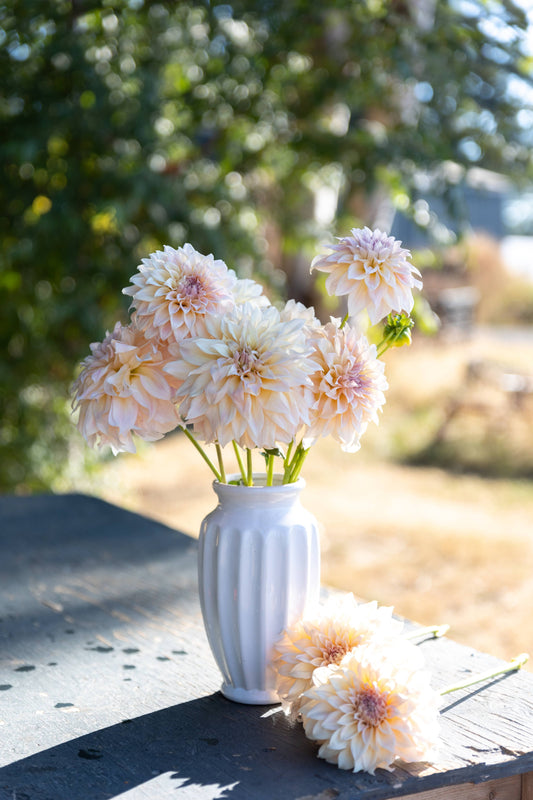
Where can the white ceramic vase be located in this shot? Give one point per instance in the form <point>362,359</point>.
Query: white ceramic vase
<point>259,570</point>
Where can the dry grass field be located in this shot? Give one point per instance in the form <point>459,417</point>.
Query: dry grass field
<point>440,546</point>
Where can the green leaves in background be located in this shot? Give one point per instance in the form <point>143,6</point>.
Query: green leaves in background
<point>245,128</point>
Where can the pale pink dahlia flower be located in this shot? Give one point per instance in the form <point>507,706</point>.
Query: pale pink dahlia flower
<point>324,640</point>
<point>249,291</point>
<point>348,387</point>
<point>372,269</point>
<point>371,710</point>
<point>175,290</point>
<point>245,380</point>
<point>122,389</point>
<point>294,310</point>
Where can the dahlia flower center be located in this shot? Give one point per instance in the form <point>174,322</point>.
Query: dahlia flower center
<point>355,380</point>
<point>190,288</point>
<point>122,378</point>
<point>246,361</point>
<point>333,652</point>
<point>370,707</point>
<point>371,263</point>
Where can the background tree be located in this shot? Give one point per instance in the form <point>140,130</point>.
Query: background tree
<point>246,128</point>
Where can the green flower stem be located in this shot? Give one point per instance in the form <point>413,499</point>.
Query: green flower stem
<point>249,468</point>
<point>270,470</point>
<point>385,344</point>
<point>221,463</point>
<point>287,462</point>
<point>434,630</point>
<point>513,665</point>
<point>299,462</point>
<point>296,473</point>
<point>296,464</point>
<point>239,460</point>
<point>289,452</point>
<point>388,341</point>
<point>290,465</point>
<point>344,320</point>
<point>200,449</point>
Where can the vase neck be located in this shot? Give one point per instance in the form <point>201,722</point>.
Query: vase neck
<point>259,494</point>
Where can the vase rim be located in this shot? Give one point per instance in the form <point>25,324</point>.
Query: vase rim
<point>259,483</point>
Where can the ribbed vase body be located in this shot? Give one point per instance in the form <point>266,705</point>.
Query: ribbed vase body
<point>259,570</point>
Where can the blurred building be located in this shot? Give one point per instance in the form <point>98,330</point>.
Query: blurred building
<point>476,201</point>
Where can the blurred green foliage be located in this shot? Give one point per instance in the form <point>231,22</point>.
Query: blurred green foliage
<point>129,125</point>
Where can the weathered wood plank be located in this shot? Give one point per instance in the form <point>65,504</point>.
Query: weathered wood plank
<point>108,687</point>
<point>527,786</point>
<point>503,789</point>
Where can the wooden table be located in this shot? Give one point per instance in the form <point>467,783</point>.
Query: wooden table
<point>108,688</point>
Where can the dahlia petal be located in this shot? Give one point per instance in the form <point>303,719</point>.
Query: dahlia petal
<point>123,413</point>
<point>154,384</point>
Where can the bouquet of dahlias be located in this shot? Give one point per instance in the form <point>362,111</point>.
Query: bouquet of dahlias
<point>206,352</point>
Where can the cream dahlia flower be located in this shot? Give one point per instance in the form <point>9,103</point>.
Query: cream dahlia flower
<point>122,389</point>
<point>371,710</point>
<point>322,641</point>
<point>175,290</point>
<point>294,310</point>
<point>372,269</point>
<point>247,291</point>
<point>348,387</point>
<point>245,380</point>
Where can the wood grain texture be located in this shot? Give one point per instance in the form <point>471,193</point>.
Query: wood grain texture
<point>108,687</point>
<point>508,788</point>
<point>527,786</point>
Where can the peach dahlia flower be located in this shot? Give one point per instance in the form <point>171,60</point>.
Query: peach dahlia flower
<point>371,710</point>
<point>348,387</point>
<point>323,641</point>
<point>245,380</point>
<point>175,290</point>
<point>294,310</point>
<point>122,389</point>
<point>372,269</point>
<point>246,290</point>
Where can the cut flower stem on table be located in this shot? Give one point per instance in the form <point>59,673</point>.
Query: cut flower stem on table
<point>515,664</point>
